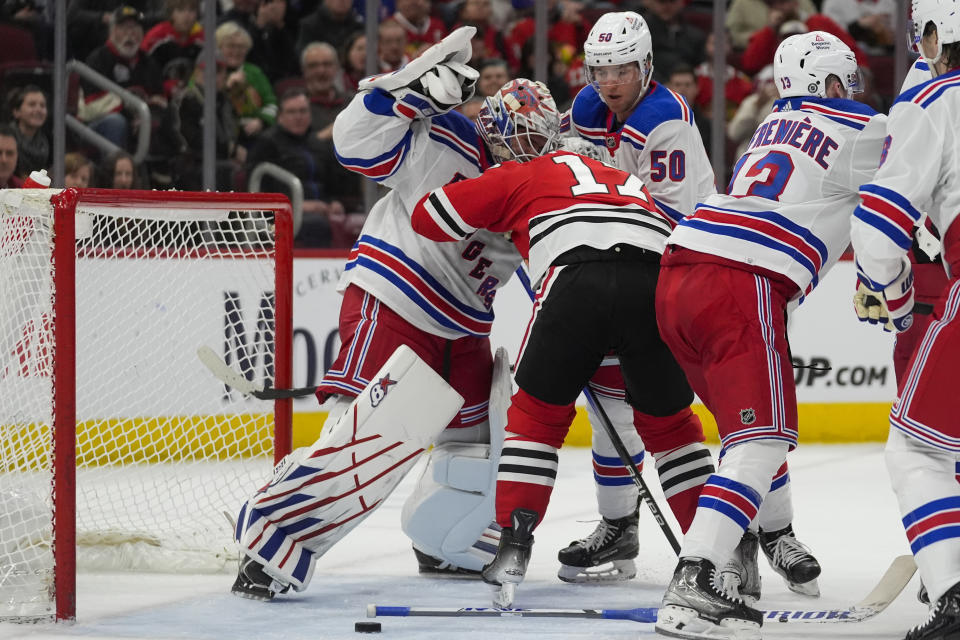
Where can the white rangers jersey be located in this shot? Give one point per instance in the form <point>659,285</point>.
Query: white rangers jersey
<point>919,171</point>
<point>918,73</point>
<point>789,202</point>
<point>444,289</point>
<point>659,143</point>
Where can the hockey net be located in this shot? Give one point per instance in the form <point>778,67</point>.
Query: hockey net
<point>105,297</point>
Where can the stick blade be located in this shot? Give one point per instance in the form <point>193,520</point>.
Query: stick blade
<point>894,581</point>
<point>223,372</point>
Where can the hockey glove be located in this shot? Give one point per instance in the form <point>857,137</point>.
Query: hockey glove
<point>891,306</point>
<point>437,91</point>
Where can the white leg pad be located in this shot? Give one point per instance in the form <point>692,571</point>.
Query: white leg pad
<point>449,514</point>
<point>320,493</point>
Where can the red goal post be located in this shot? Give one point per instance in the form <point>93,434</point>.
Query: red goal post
<point>113,436</point>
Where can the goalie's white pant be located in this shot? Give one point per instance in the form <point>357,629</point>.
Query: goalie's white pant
<point>318,494</point>
<point>925,480</point>
<point>450,515</point>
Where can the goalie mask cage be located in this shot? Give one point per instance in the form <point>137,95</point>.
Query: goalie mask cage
<point>108,420</point>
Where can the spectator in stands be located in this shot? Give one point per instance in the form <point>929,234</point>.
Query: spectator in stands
<point>567,27</point>
<point>745,17</point>
<point>329,191</point>
<point>29,106</point>
<point>683,80</point>
<point>119,171</point>
<point>392,46</point>
<point>493,75</point>
<point>248,87</point>
<point>174,43</point>
<point>321,70</point>
<point>29,15</point>
<point>89,22</point>
<point>187,167</point>
<point>869,22</point>
<point>334,21</point>
<point>764,42</point>
<point>737,87</point>
<point>753,110</point>
<point>274,41</point>
<point>674,41</point>
<point>121,61</point>
<point>556,72</point>
<point>353,58</point>
<point>471,108</point>
<point>8,158</point>
<point>489,41</point>
<point>422,28</point>
<point>77,170</point>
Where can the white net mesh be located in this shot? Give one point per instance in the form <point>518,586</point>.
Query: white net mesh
<point>165,453</point>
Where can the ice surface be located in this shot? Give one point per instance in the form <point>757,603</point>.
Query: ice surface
<point>845,511</point>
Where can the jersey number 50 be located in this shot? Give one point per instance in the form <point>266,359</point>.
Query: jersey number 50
<point>662,166</point>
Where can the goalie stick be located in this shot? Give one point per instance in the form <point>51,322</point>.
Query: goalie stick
<point>622,452</point>
<point>894,580</point>
<point>234,379</point>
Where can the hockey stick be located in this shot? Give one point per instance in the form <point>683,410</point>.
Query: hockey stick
<point>625,457</point>
<point>232,378</point>
<point>892,583</point>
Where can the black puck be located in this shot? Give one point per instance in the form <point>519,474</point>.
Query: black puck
<point>367,627</point>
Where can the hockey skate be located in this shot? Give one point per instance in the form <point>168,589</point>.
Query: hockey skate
<point>943,622</point>
<point>440,568</point>
<point>605,555</point>
<point>509,566</point>
<point>695,606</point>
<point>791,559</point>
<point>253,583</point>
<point>741,575</point>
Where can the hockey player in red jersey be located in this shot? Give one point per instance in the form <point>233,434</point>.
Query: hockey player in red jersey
<point>728,274</point>
<point>918,173</point>
<point>593,237</point>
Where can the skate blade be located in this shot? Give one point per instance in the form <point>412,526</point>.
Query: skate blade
<point>249,595</point>
<point>615,571</point>
<point>683,622</point>
<point>503,595</point>
<point>811,589</point>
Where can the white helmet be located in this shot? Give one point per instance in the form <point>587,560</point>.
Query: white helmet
<point>803,63</point>
<point>944,14</point>
<point>520,121</point>
<point>619,38</point>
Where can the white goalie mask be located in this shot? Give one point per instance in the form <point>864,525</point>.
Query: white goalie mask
<point>803,63</point>
<point>520,121</point>
<point>616,42</point>
<point>944,14</point>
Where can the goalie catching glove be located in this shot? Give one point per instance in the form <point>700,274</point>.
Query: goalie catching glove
<point>438,90</point>
<point>891,305</point>
<point>435,82</point>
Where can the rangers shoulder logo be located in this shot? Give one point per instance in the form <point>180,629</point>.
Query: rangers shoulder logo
<point>748,416</point>
<point>379,391</point>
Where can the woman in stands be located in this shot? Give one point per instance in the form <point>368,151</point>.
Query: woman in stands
<point>29,108</point>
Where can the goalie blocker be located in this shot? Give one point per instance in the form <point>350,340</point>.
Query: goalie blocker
<point>318,494</point>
